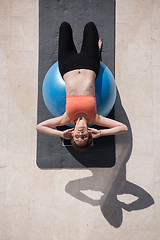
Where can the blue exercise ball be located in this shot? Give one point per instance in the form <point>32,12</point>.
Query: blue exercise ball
<point>54,91</point>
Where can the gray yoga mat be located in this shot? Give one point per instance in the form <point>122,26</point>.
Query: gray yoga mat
<point>54,152</point>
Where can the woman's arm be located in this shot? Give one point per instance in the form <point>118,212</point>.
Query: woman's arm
<point>115,127</point>
<point>46,126</point>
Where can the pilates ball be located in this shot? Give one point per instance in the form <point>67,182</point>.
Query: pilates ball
<point>54,91</point>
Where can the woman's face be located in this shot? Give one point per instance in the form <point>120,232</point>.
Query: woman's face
<point>80,136</point>
<point>80,133</point>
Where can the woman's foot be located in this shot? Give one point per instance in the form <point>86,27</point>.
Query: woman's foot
<point>100,45</point>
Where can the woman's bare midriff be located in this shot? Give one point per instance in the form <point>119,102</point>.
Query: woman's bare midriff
<point>80,82</point>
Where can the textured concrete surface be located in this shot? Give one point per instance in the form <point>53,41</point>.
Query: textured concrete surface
<point>117,203</point>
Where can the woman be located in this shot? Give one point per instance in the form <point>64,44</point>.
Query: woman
<point>79,70</point>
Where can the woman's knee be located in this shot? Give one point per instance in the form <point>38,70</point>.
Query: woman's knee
<point>90,25</point>
<point>65,25</point>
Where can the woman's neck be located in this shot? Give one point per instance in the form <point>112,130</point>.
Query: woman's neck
<point>81,119</point>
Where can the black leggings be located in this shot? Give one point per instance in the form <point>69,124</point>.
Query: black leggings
<point>89,56</point>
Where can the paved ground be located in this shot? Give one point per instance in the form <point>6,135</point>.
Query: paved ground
<point>80,204</point>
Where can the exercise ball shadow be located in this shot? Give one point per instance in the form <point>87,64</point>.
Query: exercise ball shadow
<point>112,182</point>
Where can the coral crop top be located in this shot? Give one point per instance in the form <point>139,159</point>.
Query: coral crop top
<point>81,104</point>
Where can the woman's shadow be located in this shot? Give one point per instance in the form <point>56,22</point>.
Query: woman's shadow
<point>112,182</point>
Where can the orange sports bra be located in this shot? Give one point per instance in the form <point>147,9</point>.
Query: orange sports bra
<point>81,104</point>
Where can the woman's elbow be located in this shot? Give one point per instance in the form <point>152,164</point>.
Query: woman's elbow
<point>38,127</point>
<point>124,128</point>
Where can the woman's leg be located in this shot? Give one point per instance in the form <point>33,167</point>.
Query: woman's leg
<point>66,47</point>
<point>90,48</point>
<point>66,44</point>
<point>90,40</point>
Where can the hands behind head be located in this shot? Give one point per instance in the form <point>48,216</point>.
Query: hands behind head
<point>95,133</point>
<point>67,134</point>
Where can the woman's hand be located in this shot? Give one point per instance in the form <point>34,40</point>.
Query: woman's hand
<point>67,134</point>
<point>95,133</point>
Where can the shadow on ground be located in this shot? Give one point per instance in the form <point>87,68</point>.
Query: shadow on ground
<point>112,181</point>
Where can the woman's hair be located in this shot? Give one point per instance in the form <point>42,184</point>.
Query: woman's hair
<point>84,147</point>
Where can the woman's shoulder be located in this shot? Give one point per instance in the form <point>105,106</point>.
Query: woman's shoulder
<point>100,120</point>
<point>65,119</point>
<point>96,116</point>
